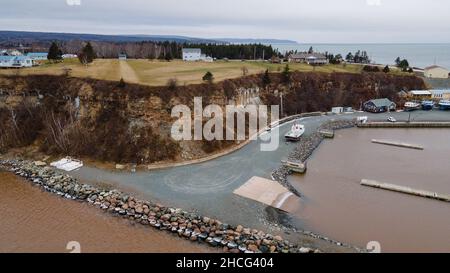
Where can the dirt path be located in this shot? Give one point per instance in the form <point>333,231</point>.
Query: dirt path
<point>127,73</point>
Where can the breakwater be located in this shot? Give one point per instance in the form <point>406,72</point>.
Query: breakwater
<point>406,190</point>
<point>188,225</point>
<point>397,144</point>
<point>304,149</point>
<point>421,124</point>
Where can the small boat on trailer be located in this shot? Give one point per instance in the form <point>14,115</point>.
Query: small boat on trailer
<point>296,132</point>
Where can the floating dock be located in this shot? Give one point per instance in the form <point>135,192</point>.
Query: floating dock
<point>406,190</point>
<point>398,144</point>
<point>404,125</point>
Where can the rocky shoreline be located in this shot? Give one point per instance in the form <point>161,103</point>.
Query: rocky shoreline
<point>188,225</point>
<point>305,148</point>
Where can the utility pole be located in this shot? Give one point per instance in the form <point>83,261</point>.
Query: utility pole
<point>282,108</point>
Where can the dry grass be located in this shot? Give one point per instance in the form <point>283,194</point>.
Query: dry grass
<point>157,73</point>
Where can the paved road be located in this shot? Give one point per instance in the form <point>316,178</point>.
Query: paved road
<point>207,187</point>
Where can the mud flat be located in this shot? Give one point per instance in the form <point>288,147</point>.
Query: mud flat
<point>47,225</point>
<point>187,225</point>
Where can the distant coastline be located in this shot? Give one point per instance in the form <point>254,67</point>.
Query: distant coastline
<point>418,54</point>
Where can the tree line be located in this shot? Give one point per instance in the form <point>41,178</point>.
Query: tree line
<point>236,51</point>
<point>163,50</point>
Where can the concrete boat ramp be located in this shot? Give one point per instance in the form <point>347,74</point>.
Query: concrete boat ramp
<point>268,192</point>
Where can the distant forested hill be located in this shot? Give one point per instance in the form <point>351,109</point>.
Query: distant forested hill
<point>13,37</point>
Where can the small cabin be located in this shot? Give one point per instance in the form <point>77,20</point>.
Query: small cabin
<point>379,106</point>
<point>123,57</point>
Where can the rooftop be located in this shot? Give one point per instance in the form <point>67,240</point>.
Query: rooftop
<point>192,50</point>
<point>434,66</point>
<point>37,54</point>
<point>420,92</point>
<point>381,102</point>
<point>308,56</point>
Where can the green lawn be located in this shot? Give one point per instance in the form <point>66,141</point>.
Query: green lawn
<point>156,73</point>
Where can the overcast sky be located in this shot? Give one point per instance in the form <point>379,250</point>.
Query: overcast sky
<point>306,21</point>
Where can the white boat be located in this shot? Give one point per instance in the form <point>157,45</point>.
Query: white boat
<point>444,105</point>
<point>67,164</point>
<point>296,132</point>
<point>411,106</point>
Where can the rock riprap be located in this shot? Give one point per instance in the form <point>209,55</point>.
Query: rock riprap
<point>185,224</point>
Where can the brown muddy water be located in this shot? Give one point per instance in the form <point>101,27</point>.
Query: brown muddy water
<point>336,205</point>
<point>35,221</point>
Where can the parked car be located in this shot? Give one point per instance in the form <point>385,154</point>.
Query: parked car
<point>392,119</point>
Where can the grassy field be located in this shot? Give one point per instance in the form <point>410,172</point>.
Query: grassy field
<point>159,72</point>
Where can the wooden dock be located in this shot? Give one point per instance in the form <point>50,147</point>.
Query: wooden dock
<point>398,144</point>
<point>406,190</point>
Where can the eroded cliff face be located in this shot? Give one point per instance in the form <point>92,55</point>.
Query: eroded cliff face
<point>310,92</point>
<point>130,123</point>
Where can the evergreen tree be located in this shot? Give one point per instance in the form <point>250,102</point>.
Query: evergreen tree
<point>168,56</point>
<point>286,74</point>
<point>121,83</point>
<point>54,53</point>
<point>311,50</point>
<point>404,65</point>
<point>350,57</point>
<point>87,54</point>
<point>386,69</point>
<point>398,61</point>
<point>266,78</point>
<point>208,77</point>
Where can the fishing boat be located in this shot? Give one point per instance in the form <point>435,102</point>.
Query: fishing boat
<point>296,132</point>
<point>444,105</point>
<point>412,106</point>
<point>427,105</point>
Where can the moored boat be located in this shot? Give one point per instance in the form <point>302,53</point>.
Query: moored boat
<point>296,132</point>
<point>444,105</point>
<point>427,105</point>
<point>412,106</point>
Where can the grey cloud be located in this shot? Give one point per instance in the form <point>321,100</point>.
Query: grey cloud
<point>312,21</point>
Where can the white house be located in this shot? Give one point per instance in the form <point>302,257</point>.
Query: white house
<point>192,54</point>
<point>436,72</point>
<point>69,56</point>
<point>443,94</point>
<point>15,61</point>
<point>38,56</point>
<point>309,58</point>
